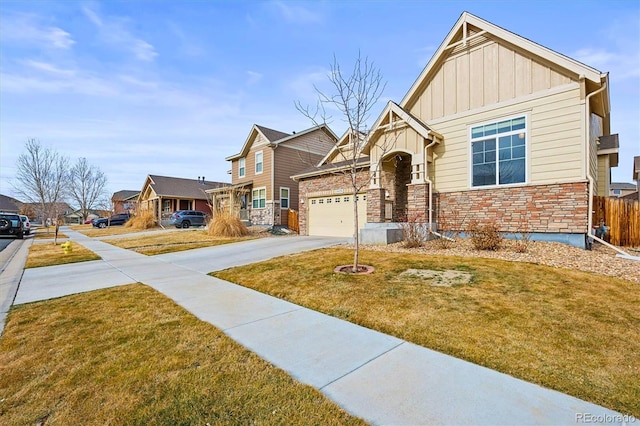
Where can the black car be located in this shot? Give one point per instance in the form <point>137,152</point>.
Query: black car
<point>11,224</point>
<point>116,219</point>
<point>187,218</point>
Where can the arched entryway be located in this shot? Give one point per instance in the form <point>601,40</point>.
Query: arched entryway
<point>394,177</point>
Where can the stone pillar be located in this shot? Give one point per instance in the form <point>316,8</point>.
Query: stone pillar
<point>375,205</point>
<point>418,201</point>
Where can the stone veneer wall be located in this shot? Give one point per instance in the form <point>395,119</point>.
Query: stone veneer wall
<point>556,208</point>
<point>326,185</point>
<point>262,216</point>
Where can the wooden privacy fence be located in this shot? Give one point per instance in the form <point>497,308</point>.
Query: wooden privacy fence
<point>622,217</point>
<point>293,218</point>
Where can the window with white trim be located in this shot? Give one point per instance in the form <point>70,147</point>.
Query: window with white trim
<point>258,162</point>
<point>259,198</point>
<point>284,198</point>
<point>498,152</point>
<point>242,167</point>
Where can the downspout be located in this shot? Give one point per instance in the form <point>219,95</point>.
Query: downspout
<point>273,187</point>
<point>588,169</point>
<point>428,180</point>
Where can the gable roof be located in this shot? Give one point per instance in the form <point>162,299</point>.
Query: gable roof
<point>391,108</point>
<point>623,186</point>
<point>166,186</point>
<point>9,204</point>
<point>125,194</point>
<point>276,137</point>
<point>458,35</point>
<point>269,134</point>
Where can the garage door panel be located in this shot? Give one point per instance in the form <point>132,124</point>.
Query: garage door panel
<point>333,216</point>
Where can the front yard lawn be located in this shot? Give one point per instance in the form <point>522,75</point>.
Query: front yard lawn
<point>171,241</point>
<point>93,232</point>
<point>571,331</point>
<point>130,356</point>
<point>49,254</point>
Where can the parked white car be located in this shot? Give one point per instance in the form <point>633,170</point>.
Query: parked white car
<point>25,224</point>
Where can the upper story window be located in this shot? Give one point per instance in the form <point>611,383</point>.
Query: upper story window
<point>241,167</point>
<point>499,152</point>
<point>616,191</point>
<point>258,162</point>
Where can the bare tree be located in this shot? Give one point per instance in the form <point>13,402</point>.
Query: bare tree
<point>87,186</point>
<point>42,178</point>
<point>354,95</point>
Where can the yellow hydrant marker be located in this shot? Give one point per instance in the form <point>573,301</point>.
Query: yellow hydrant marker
<point>67,247</point>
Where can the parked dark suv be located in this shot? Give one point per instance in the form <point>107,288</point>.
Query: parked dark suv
<point>187,218</point>
<point>11,224</point>
<point>116,219</point>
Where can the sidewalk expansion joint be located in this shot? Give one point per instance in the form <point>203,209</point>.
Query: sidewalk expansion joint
<point>263,319</point>
<point>362,365</point>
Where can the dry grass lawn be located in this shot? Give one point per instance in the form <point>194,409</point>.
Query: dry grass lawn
<point>49,254</point>
<point>92,232</point>
<point>567,330</point>
<point>172,241</point>
<point>47,234</point>
<point>130,356</point>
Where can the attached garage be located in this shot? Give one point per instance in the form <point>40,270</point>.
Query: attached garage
<point>333,215</point>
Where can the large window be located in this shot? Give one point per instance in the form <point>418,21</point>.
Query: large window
<point>259,197</point>
<point>241,167</point>
<point>499,152</point>
<point>258,162</point>
<point>284,198</point>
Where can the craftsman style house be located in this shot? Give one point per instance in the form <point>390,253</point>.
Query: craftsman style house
<point>163,195</point>
<point>262,190</point>
<point>496,127</point>
<point>124,201</point>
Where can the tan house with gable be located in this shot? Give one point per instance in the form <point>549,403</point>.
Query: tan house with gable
<point>496,127</point>
<point>262,188</point>
<point>163,195</point>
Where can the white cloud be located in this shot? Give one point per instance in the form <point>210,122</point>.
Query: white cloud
<point>294,13</point>
<point>187,46</point>
<point>29,29</point>
<point>49,68</point>
<point>114,32</point>
<point>253,77</point>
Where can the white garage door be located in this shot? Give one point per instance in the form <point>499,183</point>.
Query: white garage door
<point>333,216</point>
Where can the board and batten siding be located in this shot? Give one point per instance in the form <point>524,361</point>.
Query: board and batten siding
<point>483,75</point>
<point>554,145</point>
<point>401,140</point>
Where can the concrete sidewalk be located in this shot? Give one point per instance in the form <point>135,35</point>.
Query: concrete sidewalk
<point>380,378</point>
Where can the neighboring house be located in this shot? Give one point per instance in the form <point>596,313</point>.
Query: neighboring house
<point>262,190</point>
<point>76,216</point>
<point>9,204</point>
<point>621,189</point>
<point>124,201</point>
<point>636,177</point>
<point>496,127</point>
<point>163,195</point>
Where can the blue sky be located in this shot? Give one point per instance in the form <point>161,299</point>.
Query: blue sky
<point>173,87</point>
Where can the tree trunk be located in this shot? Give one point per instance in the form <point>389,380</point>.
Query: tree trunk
<point>356,237</point>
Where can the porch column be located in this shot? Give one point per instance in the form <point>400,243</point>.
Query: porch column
<point>375,205</point>
<point>417,168</point>
<point>418,201</point>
